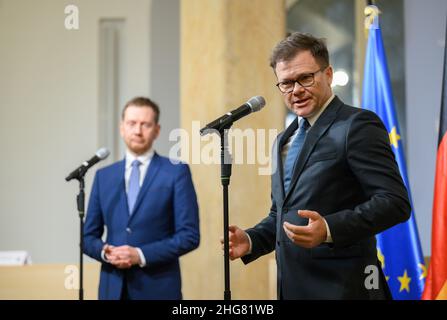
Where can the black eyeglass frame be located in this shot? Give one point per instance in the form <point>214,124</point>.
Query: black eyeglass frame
<point>311,74</point>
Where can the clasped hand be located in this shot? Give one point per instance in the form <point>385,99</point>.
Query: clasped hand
<point>122,257</point>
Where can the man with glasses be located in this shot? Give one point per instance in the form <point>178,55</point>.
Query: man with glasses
<point>336,185</point>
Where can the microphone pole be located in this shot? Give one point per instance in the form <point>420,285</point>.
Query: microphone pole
<point>225,174</point>
<point>79,174</point>
<point>225,169</point>
<point>222,125</point>
<point>80,199</point>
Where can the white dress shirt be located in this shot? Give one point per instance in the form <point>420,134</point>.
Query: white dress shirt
<point>145,160</point>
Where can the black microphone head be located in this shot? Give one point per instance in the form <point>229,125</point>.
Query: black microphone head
<point>256,103</point>
<point>102,153</point>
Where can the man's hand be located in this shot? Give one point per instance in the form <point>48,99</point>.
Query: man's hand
<point>122,257</point>
<point>238,241</point>
<point>307,236</point>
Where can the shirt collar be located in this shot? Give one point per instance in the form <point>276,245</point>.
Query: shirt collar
<point>315,117</point>
<point>144,158</point>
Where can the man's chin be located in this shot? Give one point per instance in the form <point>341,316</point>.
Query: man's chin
<point>138,150</point>
<point>303,111</point>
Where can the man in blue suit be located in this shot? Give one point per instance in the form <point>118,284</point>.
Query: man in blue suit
<point>336,185</point>
<point>148,207</point>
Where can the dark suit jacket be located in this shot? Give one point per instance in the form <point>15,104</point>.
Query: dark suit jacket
<point>164,225</point>
<point>346,171</point>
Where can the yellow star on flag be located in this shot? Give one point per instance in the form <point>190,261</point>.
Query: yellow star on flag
<point>381,258</point>
<point>424,271</point>
<point>394,137</point>
<point>404,282</point>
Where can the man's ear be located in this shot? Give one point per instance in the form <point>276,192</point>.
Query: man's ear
<point>158,130</point>
<point>329,72</point>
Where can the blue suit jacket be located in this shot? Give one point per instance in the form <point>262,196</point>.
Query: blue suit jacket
<point>346,171</point>
<point>164,225</point>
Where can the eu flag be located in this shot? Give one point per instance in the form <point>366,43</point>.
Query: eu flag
<point>399,249</point>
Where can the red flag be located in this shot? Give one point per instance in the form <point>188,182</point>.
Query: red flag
<point>436,283</point>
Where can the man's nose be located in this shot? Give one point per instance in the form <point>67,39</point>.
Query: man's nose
<point>137,129</point>
<point>297,88</point>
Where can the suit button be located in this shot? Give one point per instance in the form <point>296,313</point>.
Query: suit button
<point>128,230</point>
<point>277,242</point>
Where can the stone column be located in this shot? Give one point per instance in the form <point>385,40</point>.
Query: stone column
<point>225,49</point>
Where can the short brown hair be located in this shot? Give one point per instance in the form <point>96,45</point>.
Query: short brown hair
<point>297,42</point>
<point>143,102</point>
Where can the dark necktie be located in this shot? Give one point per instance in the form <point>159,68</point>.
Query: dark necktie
<point>294,152</point>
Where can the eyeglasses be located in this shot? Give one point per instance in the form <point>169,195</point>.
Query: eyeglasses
<point>305,80</point>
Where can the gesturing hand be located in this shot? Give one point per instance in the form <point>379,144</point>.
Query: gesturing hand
<point>307,236</point>
<point>238,242</point>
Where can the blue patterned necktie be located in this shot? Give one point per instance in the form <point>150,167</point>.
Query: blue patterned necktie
<point>134,185</point>
<point>294,151</point>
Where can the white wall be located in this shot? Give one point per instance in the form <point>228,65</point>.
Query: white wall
<point>425,23</point>
<point>165,67</point>
<point>48,114</point>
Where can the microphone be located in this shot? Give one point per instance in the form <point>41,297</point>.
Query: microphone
<point>252,105</point>
<point>101,154</point>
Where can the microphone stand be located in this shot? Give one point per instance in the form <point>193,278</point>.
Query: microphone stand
<point>79,174</point>
<point>226,162</point>
<point>223,125</point>
<point>80,199</point>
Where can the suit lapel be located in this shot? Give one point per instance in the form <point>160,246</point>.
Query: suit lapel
<point>282,140</point>
<point>148,179</point>
<point>315,133</point>
<point>120,192</point>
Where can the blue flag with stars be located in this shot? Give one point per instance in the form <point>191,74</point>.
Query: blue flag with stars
<point>399,249</point>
